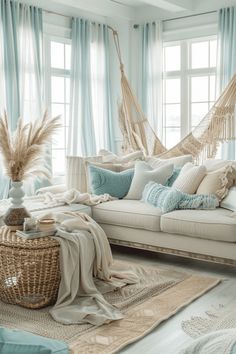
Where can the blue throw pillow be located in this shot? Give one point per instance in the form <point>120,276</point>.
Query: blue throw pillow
<point>21,342</point>
<point>116,184</point>
<point>162,197</point>
<point>173,177</point>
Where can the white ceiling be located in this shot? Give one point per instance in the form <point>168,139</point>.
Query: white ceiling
<point>169,5</point>
<point>133,10</point>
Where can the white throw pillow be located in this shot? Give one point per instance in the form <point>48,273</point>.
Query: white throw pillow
<point>230,201</point>
<point>215,164</point>
<point>143,174</point>
<point>109,157</point>
<point>178,161</point>
<point>189,178</point>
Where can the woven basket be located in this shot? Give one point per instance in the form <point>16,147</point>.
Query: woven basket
<point>29,270</point>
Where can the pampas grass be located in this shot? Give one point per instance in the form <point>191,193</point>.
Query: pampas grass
<point>24,151</point>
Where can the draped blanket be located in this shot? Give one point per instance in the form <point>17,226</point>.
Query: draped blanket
<point>87,272</point>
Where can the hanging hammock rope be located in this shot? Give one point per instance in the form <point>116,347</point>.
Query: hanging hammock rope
<point>217,126</point>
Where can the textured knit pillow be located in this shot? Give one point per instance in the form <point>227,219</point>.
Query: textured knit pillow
<point>104,181</point>
<point>169,198</point>
<point>217,182</point>
<point>189,178</point>
<point>162,197</point>
<point>143,174</point>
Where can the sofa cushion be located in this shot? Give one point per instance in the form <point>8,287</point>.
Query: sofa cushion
<point>209,224</point>
<point>130,213</point>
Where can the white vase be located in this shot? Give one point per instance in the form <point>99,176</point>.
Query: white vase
<point>14,217</point>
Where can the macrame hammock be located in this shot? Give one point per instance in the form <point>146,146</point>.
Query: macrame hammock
<point>202,142</point>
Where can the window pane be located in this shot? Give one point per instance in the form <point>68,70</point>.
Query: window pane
<point>58,110</point>
<point>58,162</point>
<point>68,56</point>
<point>57,55</point>
<point>199,55</point>
<point>67,115</point>
<point>172,90</point>
<point>213,46</point>
<point>172,137</point>
<point>198,111</point>
<point>67,90</point>
<point>59,139</point>
<point>199,89</point>
<point>57,89</point>
<point>172,115</point>
<point>172,58</point>
<point>212,88</point>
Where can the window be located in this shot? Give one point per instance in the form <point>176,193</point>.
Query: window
<point>60,53</point>
<point>188,85</point>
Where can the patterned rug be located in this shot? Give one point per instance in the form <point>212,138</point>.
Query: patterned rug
<point>159,294</point>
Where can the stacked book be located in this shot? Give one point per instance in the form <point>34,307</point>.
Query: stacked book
<point>29,235</point>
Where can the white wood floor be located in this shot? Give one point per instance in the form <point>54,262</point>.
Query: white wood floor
<point>168,337</point>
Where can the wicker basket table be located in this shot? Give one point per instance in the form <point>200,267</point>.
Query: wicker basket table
<point>29,270</point>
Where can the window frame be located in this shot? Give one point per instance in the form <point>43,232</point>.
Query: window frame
<point>185,74</point>
<point>49,73</point>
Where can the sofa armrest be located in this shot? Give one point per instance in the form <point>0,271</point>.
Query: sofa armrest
<point>59,188</point>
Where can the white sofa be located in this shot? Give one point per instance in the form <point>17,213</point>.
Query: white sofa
<point>201,234</point>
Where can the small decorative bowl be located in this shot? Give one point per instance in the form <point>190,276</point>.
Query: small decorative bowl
<point>47,225</point>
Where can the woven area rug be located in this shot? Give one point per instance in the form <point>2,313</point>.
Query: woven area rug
<point>159,294</point>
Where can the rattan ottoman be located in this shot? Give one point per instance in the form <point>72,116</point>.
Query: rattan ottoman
<point>29,270</point>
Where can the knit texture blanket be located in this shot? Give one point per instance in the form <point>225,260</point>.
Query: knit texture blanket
<point>169,198</point>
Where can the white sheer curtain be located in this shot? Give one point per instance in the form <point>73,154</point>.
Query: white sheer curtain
<point>91,124</point>
<point>100,83</point>
<point>149,72</point>
<point>21,84</point>
<point>226,62</point>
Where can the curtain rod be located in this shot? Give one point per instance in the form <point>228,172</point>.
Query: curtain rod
<point>57,13</point>
<point>179,18</point>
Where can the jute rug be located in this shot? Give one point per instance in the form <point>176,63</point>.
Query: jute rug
<point>159,294</point>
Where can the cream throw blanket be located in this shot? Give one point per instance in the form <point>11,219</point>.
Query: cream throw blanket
<point>74,196</point>
<point>87,272</point>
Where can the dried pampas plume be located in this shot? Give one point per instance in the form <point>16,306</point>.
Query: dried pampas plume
<point>24,151</point>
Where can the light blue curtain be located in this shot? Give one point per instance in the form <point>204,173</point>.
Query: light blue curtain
<point>226,61</point>
<point>21,58</point>
<point>90,127</point>
<point>149,87</point>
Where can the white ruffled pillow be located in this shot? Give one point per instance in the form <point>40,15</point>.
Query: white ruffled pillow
<point>189,178</point>
<point>217,182</point>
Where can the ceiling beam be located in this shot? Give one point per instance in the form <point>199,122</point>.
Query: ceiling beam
<point>171,5</point>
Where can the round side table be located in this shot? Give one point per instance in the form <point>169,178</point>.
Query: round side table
<point>29,270</point>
